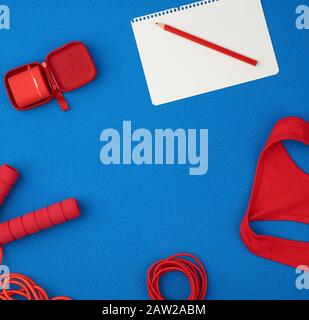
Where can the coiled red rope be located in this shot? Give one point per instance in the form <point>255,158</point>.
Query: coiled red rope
<point>14,286</point>
<point>186,263</point>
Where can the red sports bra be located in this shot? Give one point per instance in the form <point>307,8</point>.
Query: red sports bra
<point>280,192</point>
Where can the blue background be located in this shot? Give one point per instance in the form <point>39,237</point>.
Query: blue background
<point>135,215</point>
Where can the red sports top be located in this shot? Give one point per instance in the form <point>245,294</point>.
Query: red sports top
<point>280,192</point>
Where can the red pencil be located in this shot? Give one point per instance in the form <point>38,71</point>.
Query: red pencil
<point>208,44</point>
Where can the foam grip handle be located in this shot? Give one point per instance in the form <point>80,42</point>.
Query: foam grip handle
<point>8,177</point>
<point>38,220</point>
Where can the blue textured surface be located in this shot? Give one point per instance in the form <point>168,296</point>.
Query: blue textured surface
<point>133,215</point>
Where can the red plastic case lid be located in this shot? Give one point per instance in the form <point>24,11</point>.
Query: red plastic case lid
<point>71,66</point>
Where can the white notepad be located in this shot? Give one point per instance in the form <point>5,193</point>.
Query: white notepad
<point>176,68</point>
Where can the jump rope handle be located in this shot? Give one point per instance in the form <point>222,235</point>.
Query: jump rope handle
<point>8,177</point>
<point>36,221</point>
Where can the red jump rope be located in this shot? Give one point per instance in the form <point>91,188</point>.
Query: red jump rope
<point>24,226</point>
<point>16,285</point>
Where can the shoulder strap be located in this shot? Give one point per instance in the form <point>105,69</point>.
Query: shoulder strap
<point>291,128</point>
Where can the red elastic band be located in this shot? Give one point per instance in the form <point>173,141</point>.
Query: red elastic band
<point>193,270</point>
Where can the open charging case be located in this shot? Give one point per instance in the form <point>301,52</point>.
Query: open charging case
<point>65,69</point>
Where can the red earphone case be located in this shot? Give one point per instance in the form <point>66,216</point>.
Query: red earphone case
<point>65,69</point>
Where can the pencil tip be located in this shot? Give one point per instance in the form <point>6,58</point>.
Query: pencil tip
<point>161,25</point>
